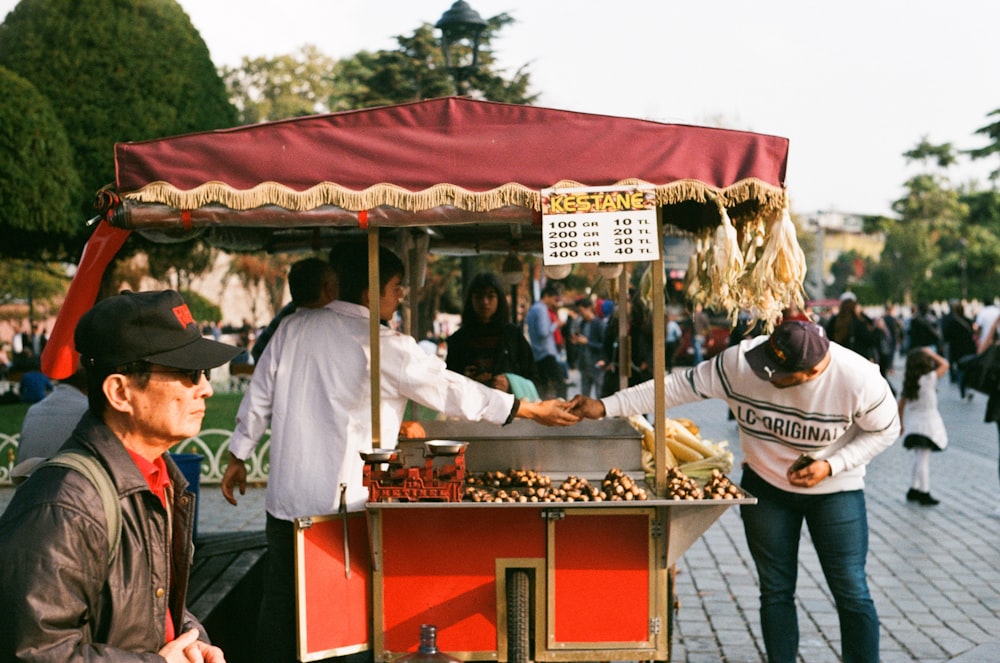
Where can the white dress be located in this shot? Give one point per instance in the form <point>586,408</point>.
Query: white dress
<point>921,416</point>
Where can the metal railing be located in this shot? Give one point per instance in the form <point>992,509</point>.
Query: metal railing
<point>212,443</point>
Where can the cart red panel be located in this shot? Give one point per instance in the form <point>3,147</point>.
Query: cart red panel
<point>439,567</point>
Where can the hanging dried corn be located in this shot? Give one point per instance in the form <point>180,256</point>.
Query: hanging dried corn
<point>725,265</point>
<point>776,278</point>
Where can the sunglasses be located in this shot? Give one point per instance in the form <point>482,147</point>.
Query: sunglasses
<point>193,375</point>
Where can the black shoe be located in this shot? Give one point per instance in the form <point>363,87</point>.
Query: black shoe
<point>926,500</point>
<point>914,495</point>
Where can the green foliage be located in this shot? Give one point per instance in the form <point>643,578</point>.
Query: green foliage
<point>38,183</point>
<point>992,132</point>
<point>114,70</point>
<point>287,86</point>
<point>310,82</point>
<point>41,283</point>
<point>220,412</point>
<point>202,310</point>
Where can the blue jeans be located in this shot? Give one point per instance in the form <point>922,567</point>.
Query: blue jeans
<point>838,524</point>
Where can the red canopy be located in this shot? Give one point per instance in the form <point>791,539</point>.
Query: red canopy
<point>471,170</point>
<point>475,145</point>
<point>467,155</point>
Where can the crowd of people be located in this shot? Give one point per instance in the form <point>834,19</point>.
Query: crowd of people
<point>810,399</point>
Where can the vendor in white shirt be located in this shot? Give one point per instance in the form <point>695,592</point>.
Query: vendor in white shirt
<point>312,387</point>
<point>793,393</point>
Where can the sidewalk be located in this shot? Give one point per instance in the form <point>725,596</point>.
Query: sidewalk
<point>934,571</point>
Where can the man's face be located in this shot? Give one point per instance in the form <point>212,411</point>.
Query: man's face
<point>392,295</point>
<point>169,408</point>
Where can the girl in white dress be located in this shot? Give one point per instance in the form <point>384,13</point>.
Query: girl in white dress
<point>923,429</point>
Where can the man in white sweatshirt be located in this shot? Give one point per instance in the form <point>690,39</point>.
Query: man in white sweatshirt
<point>794,393</point>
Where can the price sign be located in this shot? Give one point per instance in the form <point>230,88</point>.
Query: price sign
<point>599,224</point>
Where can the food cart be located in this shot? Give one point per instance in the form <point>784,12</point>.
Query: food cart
<point>502,581</point>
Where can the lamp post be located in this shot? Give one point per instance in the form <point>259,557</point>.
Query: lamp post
<point>461,28</point>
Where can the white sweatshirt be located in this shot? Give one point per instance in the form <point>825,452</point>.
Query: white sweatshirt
<point>846,415</point>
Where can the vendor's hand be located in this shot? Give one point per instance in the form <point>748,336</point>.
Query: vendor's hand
<point>554,412</point>
<point>811,474</point>
<point>236,475</point>
<point>586,407</point>
<point>500,382</point>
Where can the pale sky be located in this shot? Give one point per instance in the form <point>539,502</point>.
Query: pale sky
<point>852,84</point>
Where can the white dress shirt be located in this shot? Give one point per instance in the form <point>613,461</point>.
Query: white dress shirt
<point>312,387</point>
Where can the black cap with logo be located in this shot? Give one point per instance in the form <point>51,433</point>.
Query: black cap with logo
<point>793,346</point>
<point>146,326</point>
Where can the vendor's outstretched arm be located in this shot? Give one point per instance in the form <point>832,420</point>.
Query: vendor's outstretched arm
<point>586,407</point>
<point>551,413</point>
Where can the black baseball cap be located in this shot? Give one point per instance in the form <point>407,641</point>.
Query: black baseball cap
<point>793,346</point>
<point>146,326</point>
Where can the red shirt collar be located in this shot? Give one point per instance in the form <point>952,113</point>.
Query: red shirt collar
<point>155,473</point>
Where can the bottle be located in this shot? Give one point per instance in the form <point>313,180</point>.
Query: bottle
<point>428,651</point>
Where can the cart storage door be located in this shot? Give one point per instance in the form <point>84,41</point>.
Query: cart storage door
<point>333,604</point>
<point>603,574</point>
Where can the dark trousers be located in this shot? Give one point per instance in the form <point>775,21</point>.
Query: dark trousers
<point>276,629</point>
<point>551,381</point>
<point>276,624</point>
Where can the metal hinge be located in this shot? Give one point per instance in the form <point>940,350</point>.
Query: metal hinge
<point>654,626</point>
<point>553,514</point>
<point>656,529</point>
<point>304,523</point>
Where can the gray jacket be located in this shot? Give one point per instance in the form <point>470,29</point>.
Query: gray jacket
<point>60,599</point>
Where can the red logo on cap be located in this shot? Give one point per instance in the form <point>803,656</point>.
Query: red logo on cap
<point>183,314</point>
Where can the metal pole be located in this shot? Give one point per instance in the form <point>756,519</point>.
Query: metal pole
<point>374,311</point>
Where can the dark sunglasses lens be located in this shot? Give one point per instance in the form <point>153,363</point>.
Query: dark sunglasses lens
<point>195,376</point>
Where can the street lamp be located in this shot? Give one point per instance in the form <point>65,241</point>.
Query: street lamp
<point>462,27</point>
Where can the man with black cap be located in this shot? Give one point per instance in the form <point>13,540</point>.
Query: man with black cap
<point>65,592</point>
<point>811,414</point>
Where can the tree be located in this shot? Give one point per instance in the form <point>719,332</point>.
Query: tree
<point>416,70</point>
<point>992,132</point>
<point>261,275</point>
<point>287,86</point>
<point>38,183</point>
<point>310,82</point>
<point>114,70</point>
<point>38,285</point>
<point>931,217</point>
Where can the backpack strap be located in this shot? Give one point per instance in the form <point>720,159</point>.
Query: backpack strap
<point>90,467</point>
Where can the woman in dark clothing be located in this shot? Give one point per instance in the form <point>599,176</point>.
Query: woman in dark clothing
<point>853,329</point>
<point>957,332</point>
<point>488,345</point>
<point>993,404</point>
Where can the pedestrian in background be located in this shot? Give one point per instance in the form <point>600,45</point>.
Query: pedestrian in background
<point>672,339</point>
<point>959,338</point>
<point>988,338</point>
<point>853,329</point>
<point>543,331</point>
<point>588,339</point>
<point>701,332</point>
<point>922,425</point>
<point>923,329</point>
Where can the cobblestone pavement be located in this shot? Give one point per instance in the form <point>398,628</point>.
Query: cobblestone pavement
<point>934,571</point>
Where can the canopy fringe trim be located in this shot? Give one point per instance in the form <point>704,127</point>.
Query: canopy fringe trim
<point>510,194</point>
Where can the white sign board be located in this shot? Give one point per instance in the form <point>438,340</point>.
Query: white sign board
<point>599,224</point>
